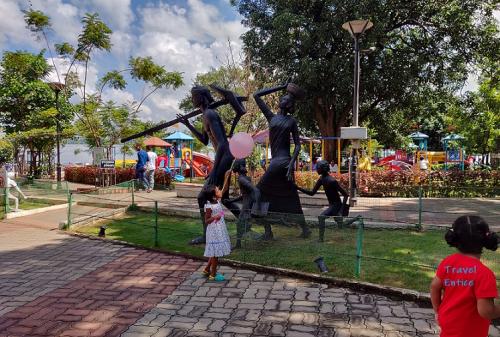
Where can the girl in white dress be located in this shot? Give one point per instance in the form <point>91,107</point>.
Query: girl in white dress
<point>218,242</point>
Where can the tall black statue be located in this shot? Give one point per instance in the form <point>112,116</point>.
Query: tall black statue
<point>249,198</point>
<point>332,189</point>
<point>213,131</point>
<point>276,186</point>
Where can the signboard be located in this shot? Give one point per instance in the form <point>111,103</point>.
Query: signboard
<point>353,132</point>
<point>107,164</point>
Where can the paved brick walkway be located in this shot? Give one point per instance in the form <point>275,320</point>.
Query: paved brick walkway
<point>52,284</point>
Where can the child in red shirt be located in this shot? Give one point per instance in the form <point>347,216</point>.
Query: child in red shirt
<point>463,290</point>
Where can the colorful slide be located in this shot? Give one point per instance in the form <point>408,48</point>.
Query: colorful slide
<point>199,160</point>
<point>386,160</point>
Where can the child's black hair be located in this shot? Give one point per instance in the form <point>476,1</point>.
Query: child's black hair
<point>470,234</point>
<point>209,193</point>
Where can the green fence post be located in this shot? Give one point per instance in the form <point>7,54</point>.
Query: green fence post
<point>419,226</point>
<point>359,248</point>
<point>156,224</point>
<point>70,202</point>
<point>133,188</point>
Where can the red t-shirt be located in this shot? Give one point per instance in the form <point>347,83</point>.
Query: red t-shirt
<point>465,279</point>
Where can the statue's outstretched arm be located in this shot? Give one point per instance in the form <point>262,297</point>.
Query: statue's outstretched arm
<point>262,105</point>
<point>313,191</point>
<point>233,101</point>
<point>201,136</point>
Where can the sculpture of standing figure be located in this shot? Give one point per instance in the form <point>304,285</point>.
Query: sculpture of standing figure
<point>213,131</point>
<point>276,186</point>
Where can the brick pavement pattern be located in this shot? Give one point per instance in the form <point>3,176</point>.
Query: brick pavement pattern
<point>52,284</point>
<point>26,274</point>
<point>104,302</point>
<point>254,304</point>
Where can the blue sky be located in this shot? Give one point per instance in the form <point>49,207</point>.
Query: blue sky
<point>190,36</point>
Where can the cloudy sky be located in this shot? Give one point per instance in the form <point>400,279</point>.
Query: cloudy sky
<point>189,36</point>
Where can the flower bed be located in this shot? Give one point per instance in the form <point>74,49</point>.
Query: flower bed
<point>87,175</point>
<point>406,183</point>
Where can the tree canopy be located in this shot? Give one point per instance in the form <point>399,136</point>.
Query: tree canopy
<point>421,47</point>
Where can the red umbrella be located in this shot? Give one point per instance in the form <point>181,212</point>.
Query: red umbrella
<point>157,142</point>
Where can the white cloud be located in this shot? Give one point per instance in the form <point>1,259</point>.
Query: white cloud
<point>117,13</point>
<point>62,66</point>
<point>12,27</point>
<point>118,96</point>
<point>189,39</point>
<point>65,18</point>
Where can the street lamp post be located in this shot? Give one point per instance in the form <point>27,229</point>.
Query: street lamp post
<point>356,28</point>
<point>57,87</point>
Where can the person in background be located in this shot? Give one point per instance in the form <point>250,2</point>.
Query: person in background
<point>140,167</point>
<point>464,289</point>
<point>423,164</point>
<point>175,149</point>
<point>150,168</point>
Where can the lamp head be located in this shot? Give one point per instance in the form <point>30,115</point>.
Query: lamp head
<point>357,27</point>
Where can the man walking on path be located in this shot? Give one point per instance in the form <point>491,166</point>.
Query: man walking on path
<point>140,167</point>
<point>150,168</point>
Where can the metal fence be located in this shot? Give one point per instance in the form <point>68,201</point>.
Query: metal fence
<point>34,194</point>
<point>390,241</point>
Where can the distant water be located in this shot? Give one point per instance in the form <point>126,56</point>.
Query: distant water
<point>79,154</point>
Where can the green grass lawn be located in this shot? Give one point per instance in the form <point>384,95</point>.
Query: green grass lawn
<point>401,258</point>
<point>25,205</point>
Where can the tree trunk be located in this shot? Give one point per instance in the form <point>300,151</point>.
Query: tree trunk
<point>329,124</point>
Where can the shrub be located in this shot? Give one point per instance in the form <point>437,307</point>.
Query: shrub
<point>87,175</point>
<point>406,183</point>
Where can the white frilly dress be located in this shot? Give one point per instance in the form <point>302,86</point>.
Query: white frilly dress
<point>218,242</point>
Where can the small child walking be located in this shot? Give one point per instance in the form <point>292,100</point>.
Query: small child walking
<point>464,289</point>
<point>218,242</point>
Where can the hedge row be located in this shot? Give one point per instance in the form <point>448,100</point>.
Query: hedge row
<point>88,174</point>
<point>374,183</point>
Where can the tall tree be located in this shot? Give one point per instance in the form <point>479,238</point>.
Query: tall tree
<point>420,45</point>
<point>27,104</point>
<point>96,36</point>
<point>479,121</point>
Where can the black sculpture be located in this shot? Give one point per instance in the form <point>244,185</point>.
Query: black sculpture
<point>250,200</point>
<point>276,186</point>
<point>332,189</point>
<point>213,131</point>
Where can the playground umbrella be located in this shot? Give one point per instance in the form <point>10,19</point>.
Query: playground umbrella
<point>157,142</point>
<point>178,136</point>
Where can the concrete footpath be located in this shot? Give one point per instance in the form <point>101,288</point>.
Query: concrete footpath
<point>53,284</point>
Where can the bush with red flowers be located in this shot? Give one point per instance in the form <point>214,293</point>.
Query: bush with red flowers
<point>87,175</point>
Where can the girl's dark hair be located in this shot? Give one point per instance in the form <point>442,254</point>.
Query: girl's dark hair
<point>209,192</point>
<point>470,233</point>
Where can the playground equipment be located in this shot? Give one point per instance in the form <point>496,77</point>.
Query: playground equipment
<point>262,138</point>
<point>454,154</point>
<point>180,156</point>
<point>421,138</point>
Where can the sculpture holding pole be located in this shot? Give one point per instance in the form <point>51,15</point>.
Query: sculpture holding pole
<point>213,130</point>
